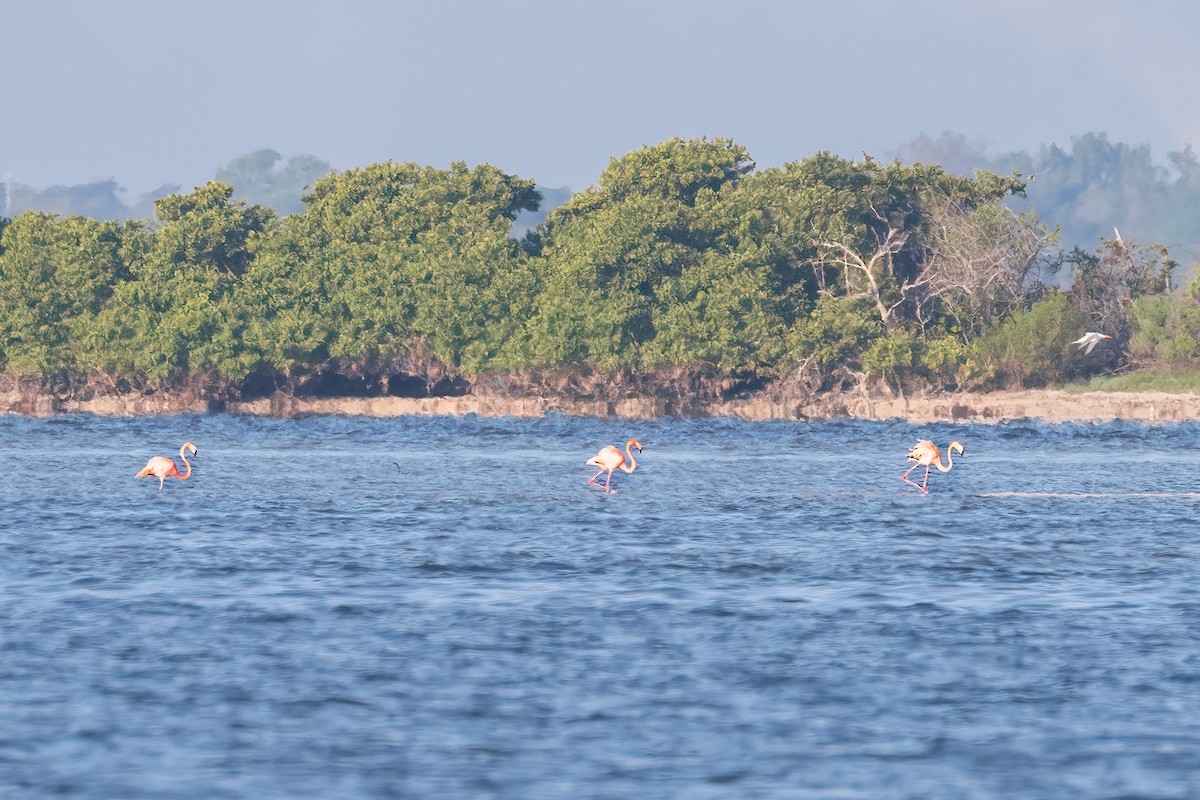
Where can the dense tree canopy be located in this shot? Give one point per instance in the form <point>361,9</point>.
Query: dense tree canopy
<point>610,254</point>
<point>682,255</point>
<point>387,254</point>
<point>56,275</point>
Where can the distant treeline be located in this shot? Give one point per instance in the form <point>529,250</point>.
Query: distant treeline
<point>1084,188</point>
<point>683,255</point>
<point>263,177</point>
<point>1090,186</point>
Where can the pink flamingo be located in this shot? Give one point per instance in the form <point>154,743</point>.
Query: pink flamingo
<point>610,458</point>
<point>162,467</point>
<point>926,454</point>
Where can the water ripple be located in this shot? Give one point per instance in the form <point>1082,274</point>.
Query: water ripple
<point>763,610</point>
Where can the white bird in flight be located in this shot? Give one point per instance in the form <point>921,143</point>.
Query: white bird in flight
<point>1089,340</point>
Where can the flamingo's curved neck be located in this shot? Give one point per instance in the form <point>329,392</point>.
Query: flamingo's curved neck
<point>632,464</point>
<point>949,460</point>
<point>188,464</point>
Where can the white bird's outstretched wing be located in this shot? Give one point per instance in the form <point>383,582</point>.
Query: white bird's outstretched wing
<point>1089,340</point>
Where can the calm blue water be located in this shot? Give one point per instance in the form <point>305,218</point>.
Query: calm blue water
<point>762,611</point>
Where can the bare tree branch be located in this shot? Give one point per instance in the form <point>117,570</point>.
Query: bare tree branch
<point>870,276</point>
<point>981,264</point>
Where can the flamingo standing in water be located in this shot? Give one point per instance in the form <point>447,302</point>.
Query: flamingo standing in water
<point>610,458</point>
<point>162,467</point>
<point>926,454</point>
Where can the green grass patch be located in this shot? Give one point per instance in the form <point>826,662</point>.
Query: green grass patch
<point>1147,380</point>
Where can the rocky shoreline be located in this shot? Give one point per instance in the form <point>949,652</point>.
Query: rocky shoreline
<point>1046,405</point>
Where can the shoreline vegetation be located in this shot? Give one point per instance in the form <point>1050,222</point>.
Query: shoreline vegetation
<point>28,398</point>
<point>686,282</point>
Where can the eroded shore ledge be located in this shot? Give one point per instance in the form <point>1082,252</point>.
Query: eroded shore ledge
<point>1045,405</point>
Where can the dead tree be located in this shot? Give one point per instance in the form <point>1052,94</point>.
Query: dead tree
<point>874,276</point>
<point>979,265</point>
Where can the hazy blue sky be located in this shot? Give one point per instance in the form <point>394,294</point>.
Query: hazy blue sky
<point>151,92</point>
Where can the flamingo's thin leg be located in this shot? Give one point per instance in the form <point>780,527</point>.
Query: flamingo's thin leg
<point>904,477</point>
<point>923,489</point>
<point>592,480</point>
